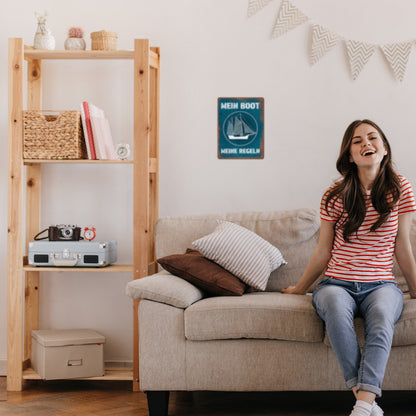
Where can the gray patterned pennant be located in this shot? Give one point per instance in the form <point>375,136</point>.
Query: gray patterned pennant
<point>323,40</point>
<point>255,5</point>
<point>289,17</point>
<point>359,54</point>
<point>397,55</point>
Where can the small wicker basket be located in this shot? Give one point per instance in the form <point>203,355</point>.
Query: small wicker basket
<point>47,136</point>
<point>103,41</point>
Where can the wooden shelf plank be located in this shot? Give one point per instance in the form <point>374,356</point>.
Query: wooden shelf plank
<point>111,373</point>
<point>112,269</point>
<point>37,54</point>
<point>153,162</point>
<point>31,53</point>
<point>85,161</point>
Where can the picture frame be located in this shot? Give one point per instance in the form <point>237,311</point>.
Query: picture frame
<point>240,128</point>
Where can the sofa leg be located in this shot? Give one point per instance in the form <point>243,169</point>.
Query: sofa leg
<point>158,403</point>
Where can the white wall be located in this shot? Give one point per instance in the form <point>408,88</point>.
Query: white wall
<point>209,50</point>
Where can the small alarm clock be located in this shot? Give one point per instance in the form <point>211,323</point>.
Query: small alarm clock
<point>123,151</point>
<point>89,233</point>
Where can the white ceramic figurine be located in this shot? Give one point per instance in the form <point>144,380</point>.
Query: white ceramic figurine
<point>43,37</point>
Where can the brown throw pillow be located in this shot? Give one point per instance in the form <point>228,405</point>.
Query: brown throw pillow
<point>203,273</point>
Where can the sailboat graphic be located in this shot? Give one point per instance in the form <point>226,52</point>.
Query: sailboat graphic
<point>238,129</point>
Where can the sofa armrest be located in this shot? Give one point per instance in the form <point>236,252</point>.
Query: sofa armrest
<point>166,288</point>
<point>162,347</point>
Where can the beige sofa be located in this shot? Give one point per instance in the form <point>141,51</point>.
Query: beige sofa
<point>265,341</point>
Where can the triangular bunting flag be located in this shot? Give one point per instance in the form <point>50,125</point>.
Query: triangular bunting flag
<point>323,40</point>
<point>397,55</point>
<point>255,5</point>
<point>289,17</point>
<point>359,54</point>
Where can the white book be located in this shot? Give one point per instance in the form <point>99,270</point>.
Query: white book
<point>102,138</point>
<point>110,151</point>
<point>96,113</point>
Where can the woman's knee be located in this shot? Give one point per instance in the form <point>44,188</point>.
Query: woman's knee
<point>383,306</point>
<point>334,301</point>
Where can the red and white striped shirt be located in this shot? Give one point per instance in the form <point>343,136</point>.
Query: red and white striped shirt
<point>369,254</point>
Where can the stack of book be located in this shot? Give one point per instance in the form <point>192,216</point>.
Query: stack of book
<point>97,132</point>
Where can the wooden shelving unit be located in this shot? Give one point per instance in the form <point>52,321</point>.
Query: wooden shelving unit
<point>23,280</point>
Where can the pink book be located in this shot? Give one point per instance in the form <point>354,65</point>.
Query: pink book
<point>89,130</point>
<point>84,129</point>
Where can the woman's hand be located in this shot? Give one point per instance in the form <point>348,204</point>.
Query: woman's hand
<point>293,290</point>
<point>318,261</point>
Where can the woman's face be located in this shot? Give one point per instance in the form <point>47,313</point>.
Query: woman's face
<point>367,147</point>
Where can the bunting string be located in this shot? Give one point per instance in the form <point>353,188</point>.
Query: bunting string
<point>323,40</point>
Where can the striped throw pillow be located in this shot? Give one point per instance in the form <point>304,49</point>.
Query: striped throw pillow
<point>242,252</point>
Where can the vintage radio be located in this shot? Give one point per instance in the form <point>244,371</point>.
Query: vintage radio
<point>72,253</point>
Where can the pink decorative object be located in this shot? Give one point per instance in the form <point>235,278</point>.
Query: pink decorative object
<point>75,32</point>
<point>75,39</point>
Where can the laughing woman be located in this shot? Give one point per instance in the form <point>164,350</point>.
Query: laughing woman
<point>365,220</point>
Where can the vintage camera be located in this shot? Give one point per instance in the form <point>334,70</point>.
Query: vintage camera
<point>64,232</point>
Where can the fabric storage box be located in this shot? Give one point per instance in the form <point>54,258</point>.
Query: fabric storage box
<point>60,354</point>
<point>53,136</point>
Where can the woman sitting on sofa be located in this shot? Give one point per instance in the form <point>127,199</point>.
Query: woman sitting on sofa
<point>365,220</point>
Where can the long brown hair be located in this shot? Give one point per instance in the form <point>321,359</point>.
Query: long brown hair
<point>384,194</point>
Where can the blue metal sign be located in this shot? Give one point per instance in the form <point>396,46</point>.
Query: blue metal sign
<point>240,128</point>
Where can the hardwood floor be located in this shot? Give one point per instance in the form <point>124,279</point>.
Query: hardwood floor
<point>109,398</point>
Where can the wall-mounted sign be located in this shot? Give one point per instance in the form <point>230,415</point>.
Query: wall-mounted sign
<point>240,128</point>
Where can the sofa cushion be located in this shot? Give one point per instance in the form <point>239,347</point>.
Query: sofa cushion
<point>295,232</point>
<point>203,273</point>
<point>163,287</point>
<point>404,331</point>
<point>255,315</point>
<point>242,252</point>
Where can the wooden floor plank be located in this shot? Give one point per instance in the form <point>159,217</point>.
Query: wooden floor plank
<point>115,398</point>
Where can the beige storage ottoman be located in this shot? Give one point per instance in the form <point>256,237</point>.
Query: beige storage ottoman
<point>59,354</point>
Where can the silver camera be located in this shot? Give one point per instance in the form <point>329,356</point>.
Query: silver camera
<point>64,232</point>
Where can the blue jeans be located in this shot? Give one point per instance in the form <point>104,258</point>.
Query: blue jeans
<point>380,303</point>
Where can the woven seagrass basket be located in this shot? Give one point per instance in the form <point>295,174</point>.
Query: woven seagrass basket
<point>103,41</point>
<point>48,136</point>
